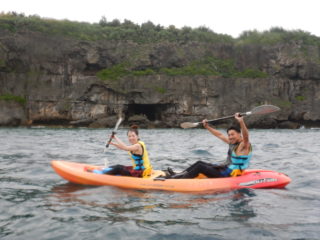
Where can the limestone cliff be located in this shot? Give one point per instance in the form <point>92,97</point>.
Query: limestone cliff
<point>57,77</point>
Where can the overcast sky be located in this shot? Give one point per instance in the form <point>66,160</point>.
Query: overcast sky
<point>230,17</point>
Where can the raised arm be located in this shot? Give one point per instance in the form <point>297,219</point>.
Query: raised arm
<point>244,131</point>
<point>132,148</point>
<point>215,132</point>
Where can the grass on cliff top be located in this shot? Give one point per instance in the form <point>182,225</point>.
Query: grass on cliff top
<point>9,97</point>
<point>114,30</point>
<point>206,67</point>
<point>146,32</point>
<point>278,35</point>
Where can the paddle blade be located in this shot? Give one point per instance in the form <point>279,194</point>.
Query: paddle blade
<point>114,131</point>
<point>189,125</point>
<point>117,124</point>
<point>264,109</point>
<point>260,110</point>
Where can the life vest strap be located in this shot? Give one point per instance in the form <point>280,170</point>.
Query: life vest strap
<point>236,172</point>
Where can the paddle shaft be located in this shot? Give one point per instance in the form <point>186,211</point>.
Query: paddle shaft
<point>227,117</point>
<point>114,132</point>
<point>260,110</point>
<point>110,139</point>
<point>263,109</point>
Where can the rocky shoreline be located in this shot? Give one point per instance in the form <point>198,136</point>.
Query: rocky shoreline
<point>53,81</point>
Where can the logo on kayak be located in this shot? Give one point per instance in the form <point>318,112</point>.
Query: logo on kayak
<point>262,180</point>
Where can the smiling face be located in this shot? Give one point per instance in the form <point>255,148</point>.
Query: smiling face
<point>234,136</point>
<point>133,137</point>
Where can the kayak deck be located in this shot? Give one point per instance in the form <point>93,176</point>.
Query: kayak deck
<point>253,178</point>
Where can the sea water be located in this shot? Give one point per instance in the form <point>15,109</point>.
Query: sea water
<point>36,203</point>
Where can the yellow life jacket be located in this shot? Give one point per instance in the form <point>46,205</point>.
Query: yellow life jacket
<point>142,162</point>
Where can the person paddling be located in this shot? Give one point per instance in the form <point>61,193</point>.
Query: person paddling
<point>239,154</point>
<point>141,166</point>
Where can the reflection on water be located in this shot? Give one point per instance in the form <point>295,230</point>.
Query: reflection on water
<point>35,201</point>
<point>68,187</point>
<point>125,201</point>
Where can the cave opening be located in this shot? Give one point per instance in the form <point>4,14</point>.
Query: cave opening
<point>152,111</point>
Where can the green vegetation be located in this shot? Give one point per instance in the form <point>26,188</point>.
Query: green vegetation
<point>146,32</point>
<point>281,103</point>
<point>9,97</point>
<point>120,70</point>
<point>33,73</point>
<point>300,98</point>
<point>277,35</point>
<point>160,90</point>
<point>2,63</point>
<point>207,67</point>
<point>113,73</point>
<point>145,72</point>
<point>251,73</point>
<point>114,30</point>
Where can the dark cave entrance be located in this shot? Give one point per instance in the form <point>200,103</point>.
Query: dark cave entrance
<point>152,111</point>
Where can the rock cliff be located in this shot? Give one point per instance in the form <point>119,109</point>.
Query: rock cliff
<point>57,77</point>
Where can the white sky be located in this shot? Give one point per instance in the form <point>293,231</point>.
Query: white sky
<point>230,17</point>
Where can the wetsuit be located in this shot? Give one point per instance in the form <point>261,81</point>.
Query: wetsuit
<point>233,166</point>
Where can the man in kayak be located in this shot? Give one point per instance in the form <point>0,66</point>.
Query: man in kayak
<point>239,154</point>
<point>141,166</point>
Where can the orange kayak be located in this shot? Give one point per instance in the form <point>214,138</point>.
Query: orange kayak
<point>253,178</point>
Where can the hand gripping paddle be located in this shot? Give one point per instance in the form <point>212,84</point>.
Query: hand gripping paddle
<point>114,131</point>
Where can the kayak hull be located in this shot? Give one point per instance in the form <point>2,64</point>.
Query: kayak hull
<point>253,178</point>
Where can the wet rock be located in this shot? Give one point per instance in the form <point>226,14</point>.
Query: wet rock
<point>107,122</point>
<point>58,77</point>
<point>82,122</point>
<point>289,125</point>
<point>140,120</point>
<point>264,123</point>
<point>12,114</point>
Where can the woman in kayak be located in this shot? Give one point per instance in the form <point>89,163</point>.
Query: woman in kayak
<point>239,154</point>
<point>141,166</point>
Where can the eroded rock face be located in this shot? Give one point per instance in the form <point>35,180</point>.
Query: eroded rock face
<point>12,114</point>
<point>58,79</point>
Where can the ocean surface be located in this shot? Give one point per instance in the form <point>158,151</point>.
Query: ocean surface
<point>36,203</point>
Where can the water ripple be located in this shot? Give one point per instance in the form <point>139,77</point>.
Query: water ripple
<point>36,202</point>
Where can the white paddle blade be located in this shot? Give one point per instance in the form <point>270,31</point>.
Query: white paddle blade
<point>189,125</point>
<point>264,109</point>
<point>117,124</point>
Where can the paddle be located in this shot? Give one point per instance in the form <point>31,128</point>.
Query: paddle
<point>108,143</point>
<point>114,131</point>
<point>260,110</point>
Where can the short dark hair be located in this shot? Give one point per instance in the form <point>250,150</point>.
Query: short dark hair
<point>235,128</point>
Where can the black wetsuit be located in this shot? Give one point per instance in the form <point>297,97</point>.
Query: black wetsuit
<point>208,169</point>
